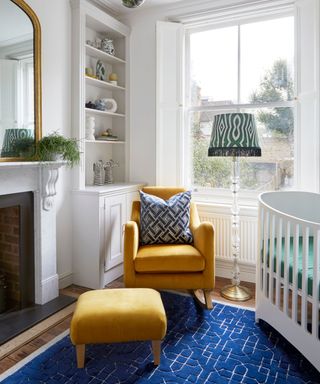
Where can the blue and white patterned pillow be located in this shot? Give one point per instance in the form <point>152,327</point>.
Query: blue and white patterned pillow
<point>165,221</point>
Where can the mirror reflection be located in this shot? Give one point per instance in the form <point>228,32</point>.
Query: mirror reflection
<point>17,128</point>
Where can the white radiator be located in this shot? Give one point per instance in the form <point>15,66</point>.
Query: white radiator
<point>220,217</point>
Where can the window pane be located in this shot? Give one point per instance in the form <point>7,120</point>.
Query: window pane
<point>213,66</point>
<point>266,63</point>
<point>272,171</point>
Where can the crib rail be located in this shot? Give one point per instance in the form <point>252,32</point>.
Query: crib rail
<point>288,272</point>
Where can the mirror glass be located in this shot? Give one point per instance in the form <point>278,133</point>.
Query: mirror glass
<point>17,105</point>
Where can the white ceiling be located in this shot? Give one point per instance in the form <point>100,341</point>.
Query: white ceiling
<point>116,5</point>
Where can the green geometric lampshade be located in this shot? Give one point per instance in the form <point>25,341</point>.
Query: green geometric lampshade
<point>234,134</point>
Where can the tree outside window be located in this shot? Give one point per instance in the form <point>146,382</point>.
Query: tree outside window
<point>270,102</point>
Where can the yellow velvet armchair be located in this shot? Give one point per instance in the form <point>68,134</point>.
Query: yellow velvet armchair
<point>172,266</point>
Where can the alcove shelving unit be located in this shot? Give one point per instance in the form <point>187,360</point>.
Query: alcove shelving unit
<point>99,212</point>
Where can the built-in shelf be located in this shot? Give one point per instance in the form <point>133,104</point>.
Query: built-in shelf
<point>103,84</point>
<point>105,141</point>
<point>98,54</point>
<point>91,111</point>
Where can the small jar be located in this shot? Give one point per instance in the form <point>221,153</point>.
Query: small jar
<point>113,78</point>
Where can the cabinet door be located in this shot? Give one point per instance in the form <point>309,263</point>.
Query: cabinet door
<point>115,216</point>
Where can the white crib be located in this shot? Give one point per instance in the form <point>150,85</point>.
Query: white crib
<point>288,268</point>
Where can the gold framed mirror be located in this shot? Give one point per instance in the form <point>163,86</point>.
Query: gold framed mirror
<point>20,81</point>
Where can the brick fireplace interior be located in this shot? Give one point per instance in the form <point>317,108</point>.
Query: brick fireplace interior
<point>16,252</point>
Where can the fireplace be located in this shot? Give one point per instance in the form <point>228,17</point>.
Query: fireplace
<point>29,289</point>
<point>16,252</point>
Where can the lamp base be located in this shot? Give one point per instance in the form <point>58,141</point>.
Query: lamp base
<point>236,293</point>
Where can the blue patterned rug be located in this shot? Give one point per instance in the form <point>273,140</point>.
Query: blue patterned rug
<point>220,346</point>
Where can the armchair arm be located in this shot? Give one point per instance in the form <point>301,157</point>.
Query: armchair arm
<point>203,236</point>
<point>131,245</point>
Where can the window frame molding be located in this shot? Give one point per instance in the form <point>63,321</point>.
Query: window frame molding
<point>277,9</point>
<point>307,77</point>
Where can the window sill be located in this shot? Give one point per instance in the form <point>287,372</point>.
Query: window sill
<point>223,197</point>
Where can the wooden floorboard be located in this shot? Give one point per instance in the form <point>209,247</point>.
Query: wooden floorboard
<point>49,333</point>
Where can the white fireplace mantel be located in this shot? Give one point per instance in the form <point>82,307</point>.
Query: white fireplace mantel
<point>39,178</point>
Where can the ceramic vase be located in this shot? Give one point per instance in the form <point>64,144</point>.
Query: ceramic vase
<point>98,171</point>
<point>107,46</point>
<point>90,125</point>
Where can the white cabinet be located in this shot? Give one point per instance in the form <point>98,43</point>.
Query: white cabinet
<point>115,216</point>
<point>99,215</point>
<point>99,212</point>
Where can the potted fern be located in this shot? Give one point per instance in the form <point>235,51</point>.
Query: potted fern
<point>57,147</point>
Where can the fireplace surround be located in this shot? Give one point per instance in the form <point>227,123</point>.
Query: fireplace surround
<point>36,183</point>
<point>39,179</point>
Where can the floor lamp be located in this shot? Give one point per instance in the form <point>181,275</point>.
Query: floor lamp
<point>234,134</point>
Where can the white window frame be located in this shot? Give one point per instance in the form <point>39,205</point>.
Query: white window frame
<point>25,109</point>
<point>170,116</point>
<point>222,195</point>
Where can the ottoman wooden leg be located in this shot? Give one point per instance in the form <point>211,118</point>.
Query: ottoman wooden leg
<point>156,349</point>
<point>81,351</point>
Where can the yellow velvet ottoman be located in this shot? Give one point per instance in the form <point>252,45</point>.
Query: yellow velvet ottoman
<point>118,315</point>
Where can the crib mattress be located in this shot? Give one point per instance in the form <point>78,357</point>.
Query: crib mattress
<point>299,267</point>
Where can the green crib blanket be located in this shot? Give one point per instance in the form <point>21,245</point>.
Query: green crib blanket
<point>299,266</point>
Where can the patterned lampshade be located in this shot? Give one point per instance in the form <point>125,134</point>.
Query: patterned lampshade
<point>234,134</point>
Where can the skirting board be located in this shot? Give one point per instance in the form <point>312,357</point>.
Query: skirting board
<point>224,269</point>
<point>65,280</point>
<point>48,291</point>
<point>113,274</point>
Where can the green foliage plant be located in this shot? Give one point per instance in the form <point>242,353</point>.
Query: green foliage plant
<point>55,144</point>
<point>276,85</point>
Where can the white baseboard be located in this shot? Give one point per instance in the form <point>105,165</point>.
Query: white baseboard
<point>113,274</point>
<point>65,279</point>
<point>49,289</point>
<point>224,269</point>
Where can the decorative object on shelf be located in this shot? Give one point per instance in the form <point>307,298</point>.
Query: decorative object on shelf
<point>132,3</point>
<point>108,166</point>
<point>234,134</point>
<point>110,105</point>
<point>113,78</point>
<point>90,125</point>
<point>106,104</point>
<point>100,70</point>
<point>57,147</point>
<point>90,105</point>
<point>107,136</point>
<point>100,104</point>
<point>107,46</point>
<point>97,43</point>
<point>11,136</point>
<point>98,173</point>
<point>89,73</point>
<point>89,42</point>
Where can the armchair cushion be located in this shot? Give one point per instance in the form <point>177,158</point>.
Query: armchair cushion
<point>168,258</point>
<point>165,221</point>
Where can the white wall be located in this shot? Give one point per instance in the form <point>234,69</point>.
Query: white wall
<point>55,20</point>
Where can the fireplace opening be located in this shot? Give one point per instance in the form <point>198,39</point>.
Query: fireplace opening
<point>16,252</point>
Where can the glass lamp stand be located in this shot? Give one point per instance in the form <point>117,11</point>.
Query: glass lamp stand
<point>235,291</point>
